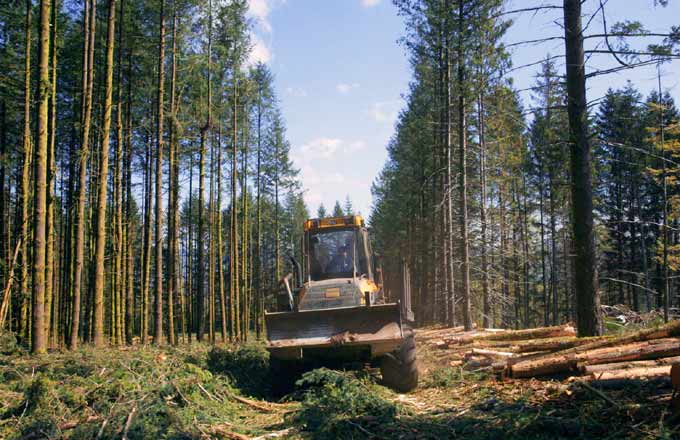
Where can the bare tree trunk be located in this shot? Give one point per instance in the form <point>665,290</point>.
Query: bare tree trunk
<point>448,222</point>
<point>38,336</point>
<point>211,246</point>
<point>244,218</point>
<point>588,315</point>
<point>99,337</point>
<point>235,293</point>
<point>200,300</point>
<point>146,262</point>
<point>173,208</point>
<point>482,172</point>
<point>190,328</point>
<point>553,252</point>
<point>158,333</point>
<point>258,219</point>
<point>51,316</point>
<point>87,81</point>
<point>666,284</point>
<point>119,242</point>
<point>24,220</point>
<point>220,246</point>
<point>129,229</point>
<point>546,298</point>
<point>4,205</point>
<point>462,142</point>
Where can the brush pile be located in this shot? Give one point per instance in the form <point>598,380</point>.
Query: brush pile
<point>551,351</point>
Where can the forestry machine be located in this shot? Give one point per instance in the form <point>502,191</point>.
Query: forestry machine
<point>331,309</point>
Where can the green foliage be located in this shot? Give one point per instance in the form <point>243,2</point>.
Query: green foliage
<point>73,394</point>
<point>334,404</point>
<point>337,210</point>
<point>8,343</point>
<point>247,367</point>
<point>451,377</point>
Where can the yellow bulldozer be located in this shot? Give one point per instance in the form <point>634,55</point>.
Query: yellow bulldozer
<point>332,309</point>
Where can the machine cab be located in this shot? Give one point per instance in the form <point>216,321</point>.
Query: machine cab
<point>340,269</point>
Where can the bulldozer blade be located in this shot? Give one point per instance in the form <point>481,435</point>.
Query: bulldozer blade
<point>377,326</point>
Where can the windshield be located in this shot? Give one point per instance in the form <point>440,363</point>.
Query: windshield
<point>331,254</point>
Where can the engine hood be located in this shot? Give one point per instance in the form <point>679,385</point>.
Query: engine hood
<point>329,294</point>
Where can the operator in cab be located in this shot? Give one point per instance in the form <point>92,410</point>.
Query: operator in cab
<point>342,262</point>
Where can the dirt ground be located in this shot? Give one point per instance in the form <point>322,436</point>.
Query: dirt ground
<point>199,392</point>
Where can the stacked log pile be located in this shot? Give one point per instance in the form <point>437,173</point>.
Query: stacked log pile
<point>551,351</point>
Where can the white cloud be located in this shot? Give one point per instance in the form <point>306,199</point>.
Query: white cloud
<point>260,52</point>
<point>321,147</point>
<point>296,92</point>
<point>259,10</point>
<point>345,88</point>
<point>326,148</point>
<point>384,111</point>
<point>369,3</point>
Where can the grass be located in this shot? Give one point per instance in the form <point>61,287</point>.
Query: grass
<point>200,392</point>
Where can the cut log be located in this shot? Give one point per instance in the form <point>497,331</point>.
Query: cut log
<point>550,345</point>
<point>669,330</point>
<point>478,362</point>
<point>565,361</point>
<point>514,335</point>
<point>654,349</point>
<point>632,373</point>
<point>592,369</point>
<point>491,353</point>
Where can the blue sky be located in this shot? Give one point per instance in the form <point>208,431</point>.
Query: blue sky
<point>340,75</point>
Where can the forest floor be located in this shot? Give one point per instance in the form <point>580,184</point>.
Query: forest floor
<point>198,392</point>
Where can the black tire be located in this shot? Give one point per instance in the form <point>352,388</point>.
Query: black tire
<point>399,369</point>
<point>283,373</point>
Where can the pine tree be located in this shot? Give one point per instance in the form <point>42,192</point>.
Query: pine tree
<point>321,212</point>
<point>337,210</point>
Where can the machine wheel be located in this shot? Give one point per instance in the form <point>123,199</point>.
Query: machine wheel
<point>283,373</point>
<point>399,369</point>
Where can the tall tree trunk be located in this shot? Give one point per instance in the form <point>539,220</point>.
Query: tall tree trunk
<point>258,239</point>
<point>245,313</point>
<point>129,227</point>
<point>462,142</point>
<point>119,240</point>
<point>553,252</point>
<point>190,328</point>
<point>173,209</point>
<point>220,246</point>
<point>50,292</point>
<point>665,239</point>
<point>482,211</point>
<point>448,221</point>
<point>86,118</point>
<point>588,315</point>
<point>200,300</point>
<point>146,262</point>
<point>38,336</point>
<point>235,295</point>
<point>173,192</point>
<point>4,205</point>
<point>25,179</point>
<point>99,337</point>
<point>211,246</point>
<point>158,333</point>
